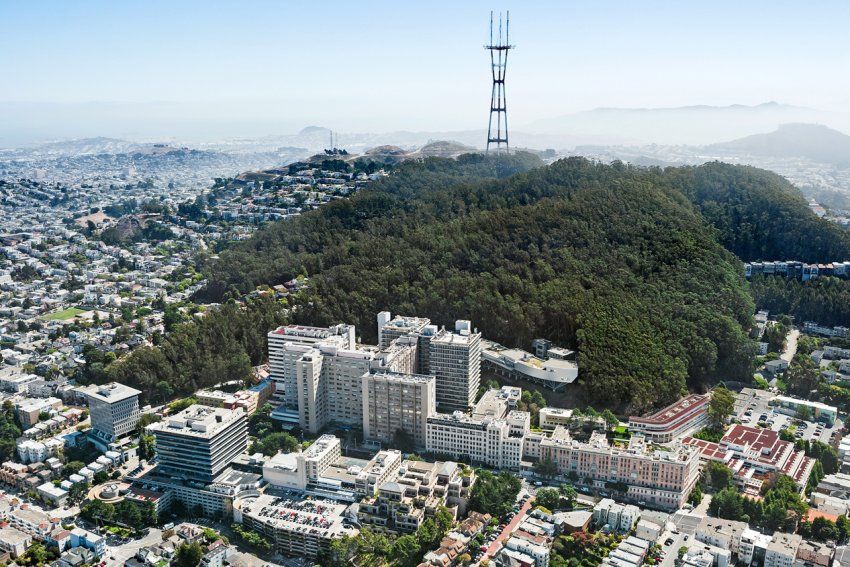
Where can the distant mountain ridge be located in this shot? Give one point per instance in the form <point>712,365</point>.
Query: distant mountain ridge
<point>684,125</point>
<point>813,141</point>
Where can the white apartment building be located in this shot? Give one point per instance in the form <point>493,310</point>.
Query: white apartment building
<point>782,550</point>
<point>718,532</point>
<point>455,359</point>
<point>114,410</point>
<point>395,402</point>
<point>200,441</point>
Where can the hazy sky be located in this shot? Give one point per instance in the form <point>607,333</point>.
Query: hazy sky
<point>378,66</point>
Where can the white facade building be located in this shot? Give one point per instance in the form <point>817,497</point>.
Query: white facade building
<point>114,410</point>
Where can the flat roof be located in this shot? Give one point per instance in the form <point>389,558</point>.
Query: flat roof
<point>113,392</point>
<point>198,421</point>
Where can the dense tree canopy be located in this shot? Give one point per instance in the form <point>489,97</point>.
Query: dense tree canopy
<point>825,300</point>
<point>221,346</point>
<point>613,260</point>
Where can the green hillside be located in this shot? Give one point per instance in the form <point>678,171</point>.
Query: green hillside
<point>613,260</point>
<point>759,214</point>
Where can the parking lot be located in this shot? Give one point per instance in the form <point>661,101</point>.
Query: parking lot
<point>752,408</point>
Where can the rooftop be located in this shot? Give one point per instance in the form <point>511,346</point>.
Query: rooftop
<point>111,393</point>
<point>198,421</point>
<point>675,411</point>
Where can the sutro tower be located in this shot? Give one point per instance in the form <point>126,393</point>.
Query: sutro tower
<point>497,130</point>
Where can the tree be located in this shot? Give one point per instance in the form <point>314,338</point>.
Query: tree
<point>494,494</point>
<point>147,446</point>
<point>570,494</point>
<point>804,413</point>
<point>695,497</point>
<point>188,555</point>
<point>720,407</point>
<point>272,443</point>
<point>546,468</point>
<point>548,498</point>
<point>72,467</point>
<point>611,420</point>
<point>718,475</point>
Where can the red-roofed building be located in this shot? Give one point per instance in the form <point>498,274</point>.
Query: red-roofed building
<point>684,417</point>
<point>754,454</point>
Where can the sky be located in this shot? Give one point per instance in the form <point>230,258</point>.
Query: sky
<point>375,66</point>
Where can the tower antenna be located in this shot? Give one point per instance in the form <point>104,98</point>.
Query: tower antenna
<point>497,128</point>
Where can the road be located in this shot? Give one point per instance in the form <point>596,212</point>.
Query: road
<point>790,345</point>
<point>509,529</point>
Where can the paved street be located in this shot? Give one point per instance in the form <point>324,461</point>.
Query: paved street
<point>509,528</point>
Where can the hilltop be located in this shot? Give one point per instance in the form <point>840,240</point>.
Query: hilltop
<point>812,141</point>
<point>623,263</point>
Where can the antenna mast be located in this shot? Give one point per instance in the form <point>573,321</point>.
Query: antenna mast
<point>497,129</point>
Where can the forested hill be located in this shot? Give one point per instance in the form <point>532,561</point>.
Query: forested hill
<point>759,215</point>
<point>614,260</point>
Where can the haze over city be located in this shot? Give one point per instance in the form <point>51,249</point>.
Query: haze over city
<point>199,70</point>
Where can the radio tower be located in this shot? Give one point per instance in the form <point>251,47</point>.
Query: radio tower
<point>498,133</point>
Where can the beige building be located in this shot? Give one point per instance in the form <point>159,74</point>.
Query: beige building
<point>395,402</point>
<point>550,418</point>
<point>492,434</point>
<point>318,373</point>
<point>661,479</point>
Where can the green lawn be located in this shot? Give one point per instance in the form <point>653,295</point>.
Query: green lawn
<point>63,315</point>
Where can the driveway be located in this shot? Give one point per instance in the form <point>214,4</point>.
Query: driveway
<point>122,553</point>
<point>790,345</point>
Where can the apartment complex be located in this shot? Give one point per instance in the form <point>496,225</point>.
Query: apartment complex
<point>114,410</point>
<point>200,441</point>
<point>676,420</point>
<point>414,493</point>
<point>394,402</point>
<point>661,479</point>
